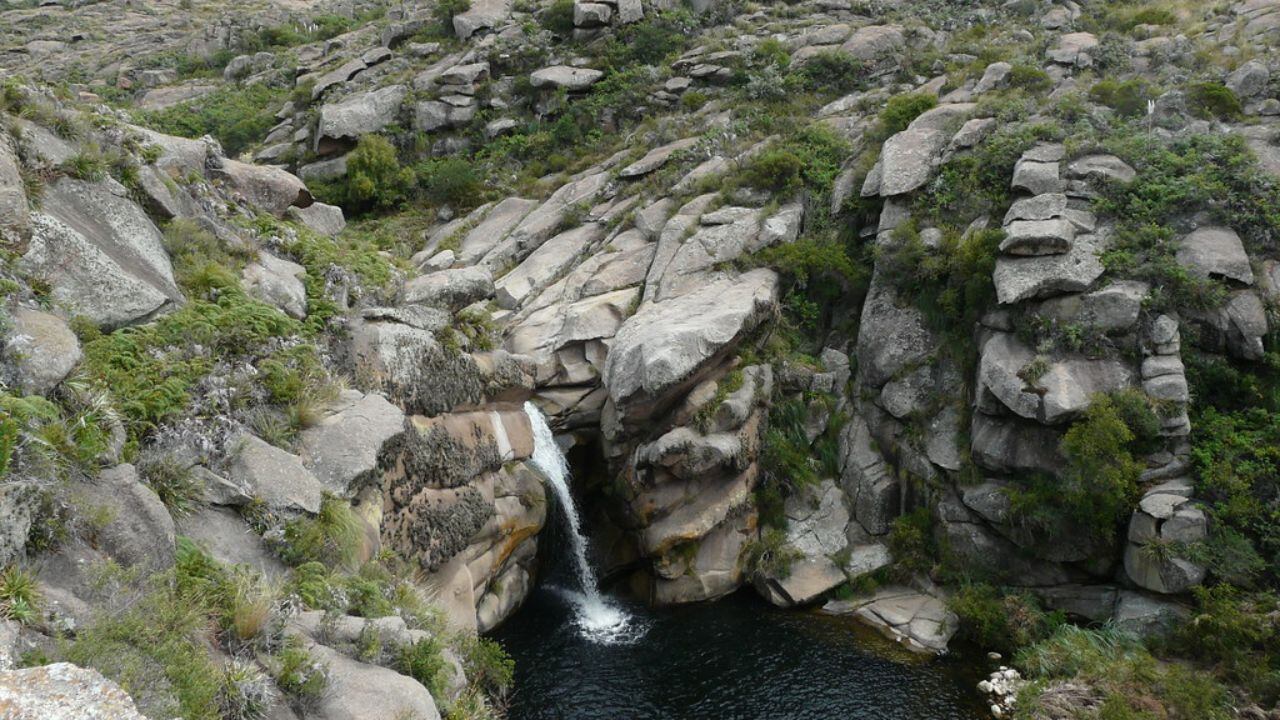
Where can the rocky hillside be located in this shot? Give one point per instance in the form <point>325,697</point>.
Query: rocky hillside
<point>954,316</point>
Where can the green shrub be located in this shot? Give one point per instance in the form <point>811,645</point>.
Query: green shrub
<point>1132,683</point>
<point>203,264</point>
<point>1000,621</point>
<point>374,180</point>
<point>1029,78</point>
<point>334,536</point>
<point>303,678</point>
<point>424,661</point>
<point>774,170</point>
<point>902,109</point>
<point>832,71</point>
<point>1128,98</point>
<point>156,651</point>
<point>558,17</point>
<point>1098,485</point>
<point>487,666</point>
<point>1236,632</point>
<point>237,116</point>
<point>650,41</point>
<point>769,554</point>
<point>911,542</point>
<point>445,10</point>
<point>151,369</point>
<point>1213,100</point>
<point>451,181</point>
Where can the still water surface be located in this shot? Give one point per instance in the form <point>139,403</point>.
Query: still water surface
<point>738,658</point>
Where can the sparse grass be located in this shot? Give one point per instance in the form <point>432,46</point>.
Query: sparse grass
<point>173,481</point>
<point>19,599</point>
<point>333,537</point>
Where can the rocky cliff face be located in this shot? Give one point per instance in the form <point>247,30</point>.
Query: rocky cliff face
<point>851,299</point>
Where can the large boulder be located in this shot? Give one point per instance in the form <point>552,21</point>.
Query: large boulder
<point>277,282</point>
<point>102,256</point>
<point>276,477</point>
<point>563,76</point>
<point>359,115</point>
<point>450,289</point>
<point>665,345</point>
<point>481,15</point>
<point>63,691</point>
<point>42,349</point>
<point>264,186</point>
<point>13,195</point>
<point>1215,252</point>
<point>358,691</point>
<point>1041,276</point>
<point>891,337</point>
<point>908,158</point>
<point>343,449</point>
<point>136,530</point>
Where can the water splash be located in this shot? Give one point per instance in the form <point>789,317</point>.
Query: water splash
<point>597,618</point>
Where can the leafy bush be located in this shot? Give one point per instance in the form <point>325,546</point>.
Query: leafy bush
<point>203,264</point>
<point>832,71</point>
<point>1000,621</point>
<point>902,109</point>
<point>451,181</point>
<point>1213,100</point>
<point>558,17</point>
<point>950,284</point>
<point>374,180</point>
<point>1029,78</point>
<point>424,661</point>
<point>773,170</point>
<point>1098,484</point>
<point>1214,174</point>
<point>334,537</point>
<point>650,41</point>
<point>156,651</point>
<point>911,541</point>
<point>1128,98</point>
<point>1237,633</point>
<point>152,369</point>
<point>487,666</point>
<point>237,116</point>
<point>809,158</point>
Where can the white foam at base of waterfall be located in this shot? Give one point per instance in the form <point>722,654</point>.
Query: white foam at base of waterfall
<point>597,618</point>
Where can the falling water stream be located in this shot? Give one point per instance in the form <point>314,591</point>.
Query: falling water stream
<point>598,619</point>
<point>581,655</point>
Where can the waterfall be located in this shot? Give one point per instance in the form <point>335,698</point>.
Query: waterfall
<point>599,619</point>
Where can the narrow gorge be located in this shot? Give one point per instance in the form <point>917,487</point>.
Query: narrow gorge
<point>543,359</point>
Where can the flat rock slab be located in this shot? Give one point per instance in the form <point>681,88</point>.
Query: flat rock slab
<point>1215,252</point>
<point>666,343</point>
<point>1025,278</point>
<point>921,623</point>
<point>343,449</point>
<point>569,78</point>
<point>63,691</point>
